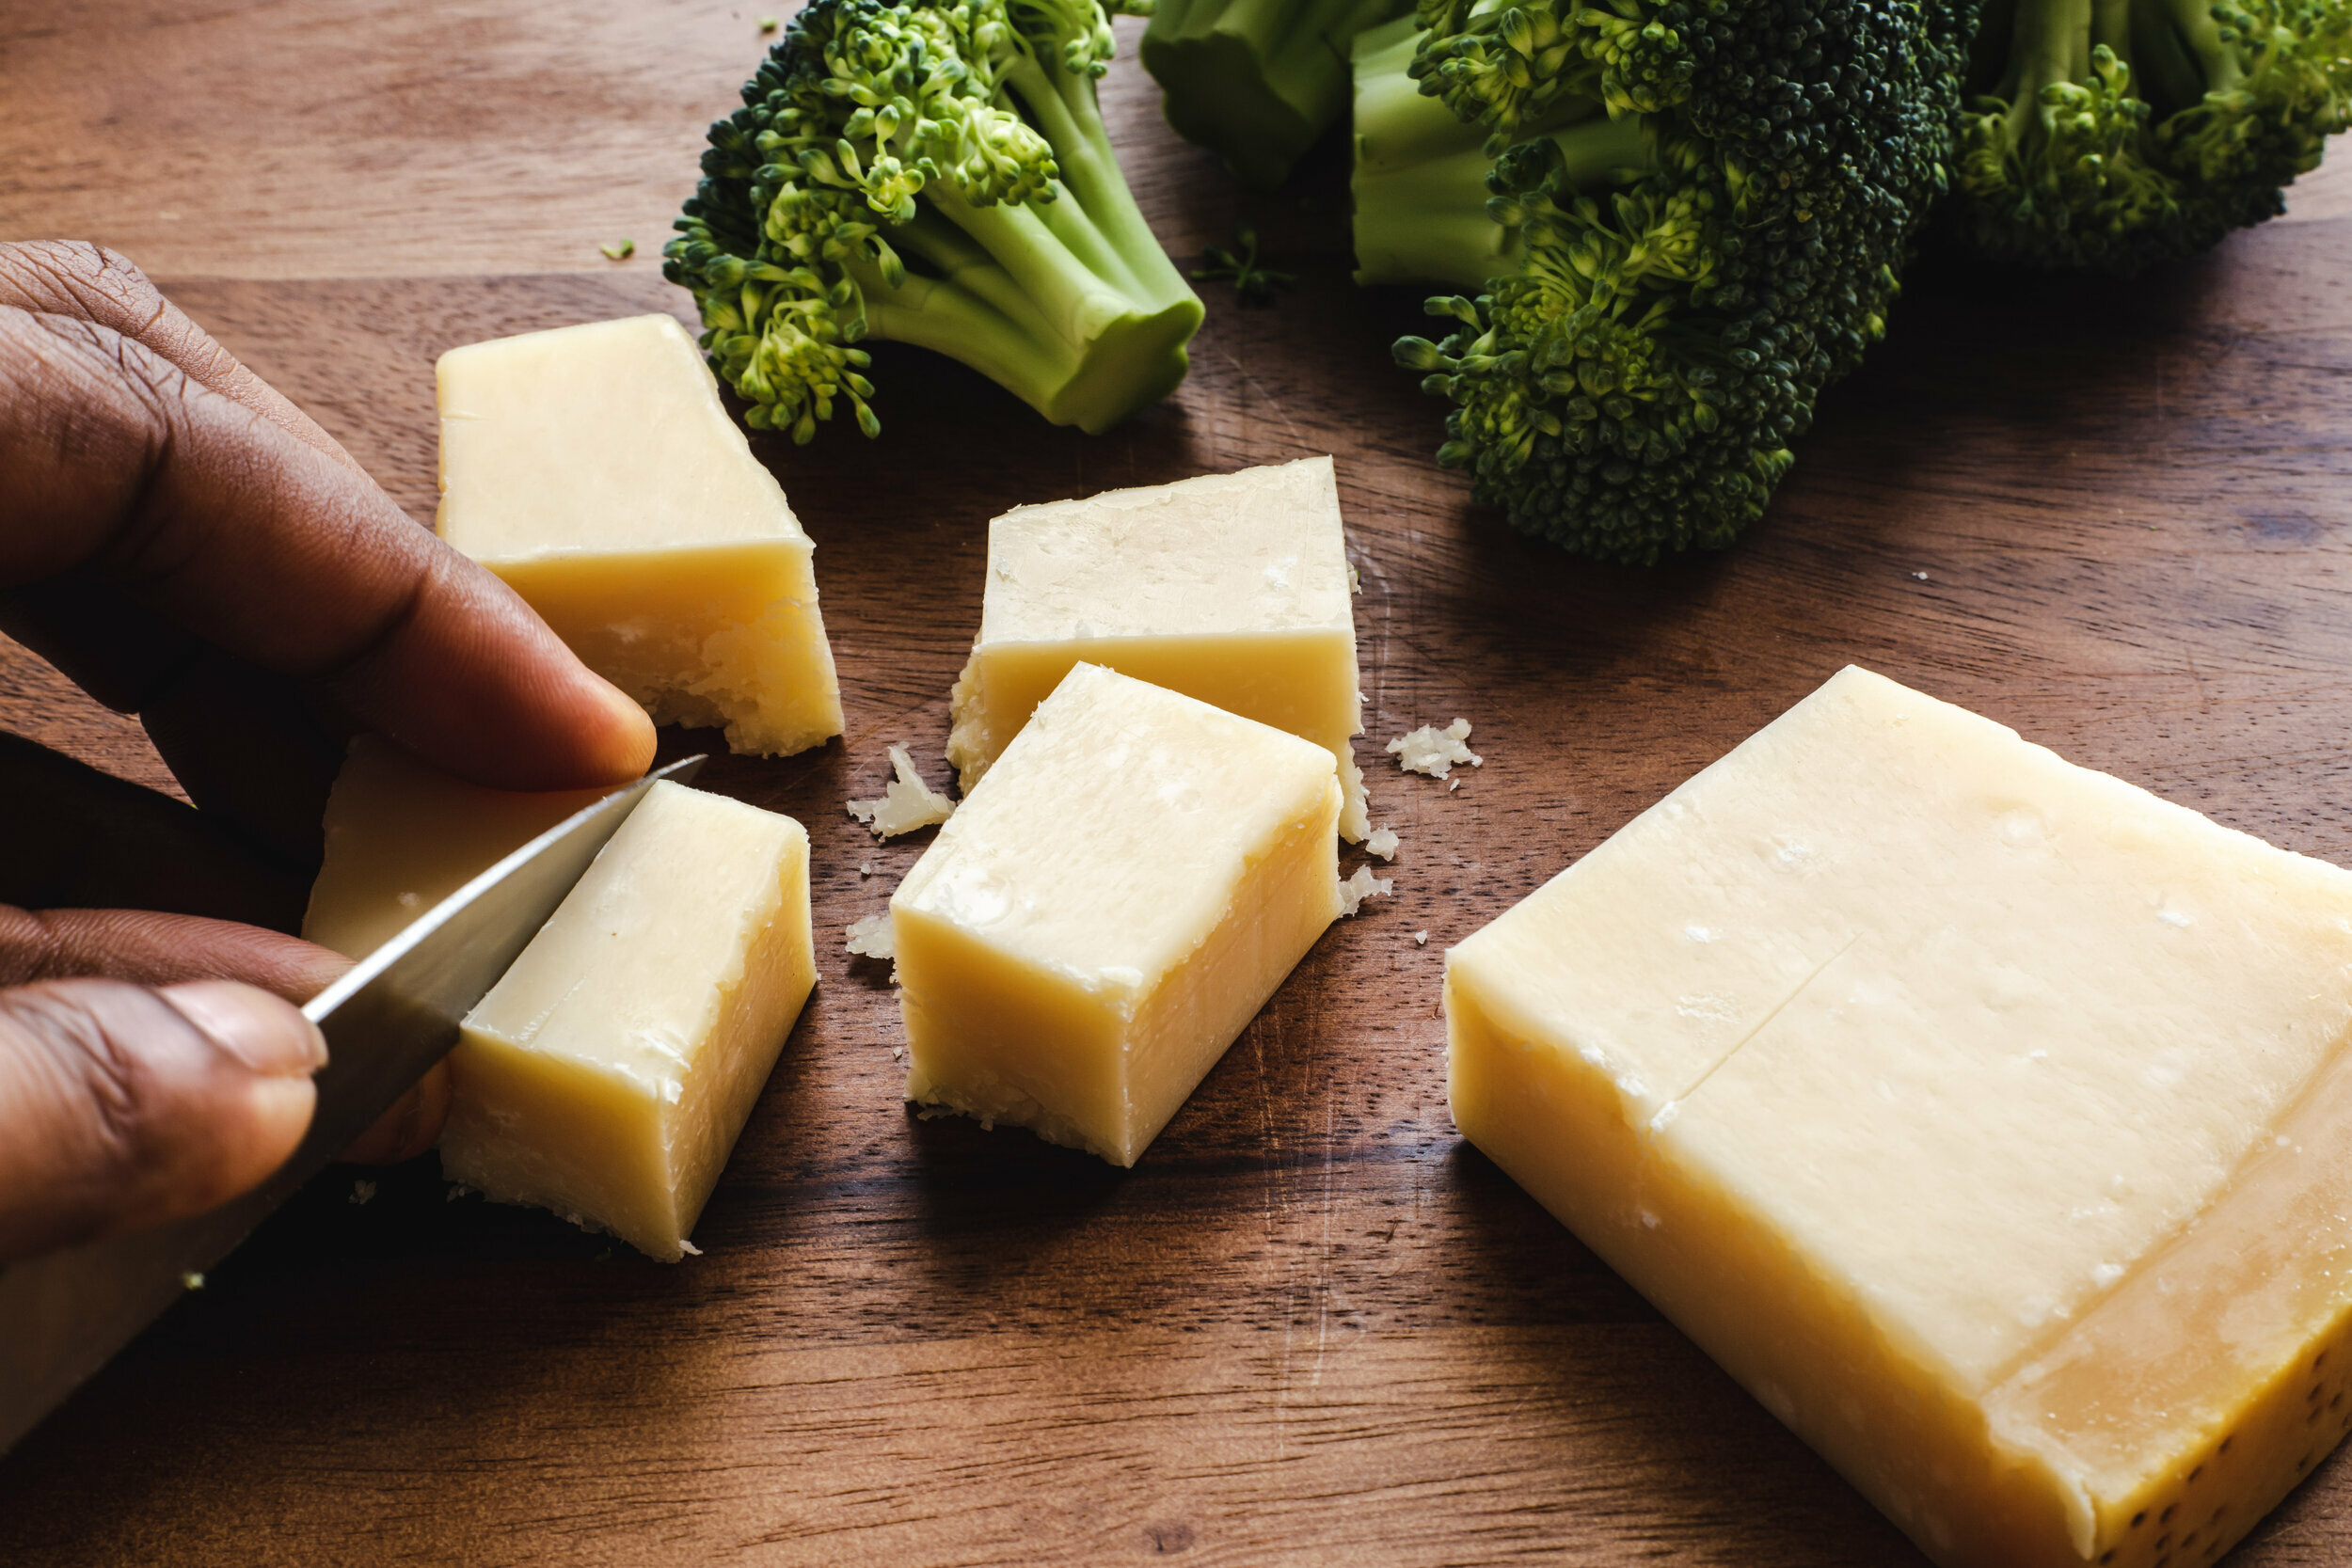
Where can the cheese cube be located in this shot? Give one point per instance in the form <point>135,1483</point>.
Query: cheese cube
<point>607,1075</point>
<point>1108,909</point>
<point>595,471</point>
<point>1231,588</point>
<point>402,836</point>
<point>1988,1118</point>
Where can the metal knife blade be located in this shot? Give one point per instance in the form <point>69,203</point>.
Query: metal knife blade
<point>390,1017</point>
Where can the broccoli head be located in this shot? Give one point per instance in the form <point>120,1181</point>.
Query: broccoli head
<point>1682,221</point>
<point>1256,81</point>
<point>2115,134</point>
<point>931,172</point>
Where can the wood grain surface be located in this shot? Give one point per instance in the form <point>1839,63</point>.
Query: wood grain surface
<point>1313,1326</point>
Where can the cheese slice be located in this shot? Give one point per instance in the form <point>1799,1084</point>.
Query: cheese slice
<point>596,471</point>
<point>402,836</point>
<point>1108,909</point>
<point>1231,588</point>
<point>1988,1118</point>
<point>608,1074</point>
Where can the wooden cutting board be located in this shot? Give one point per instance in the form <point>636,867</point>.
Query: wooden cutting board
<point>1313,1326</point>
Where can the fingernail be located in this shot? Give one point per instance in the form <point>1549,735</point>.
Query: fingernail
<point>268,1035</point>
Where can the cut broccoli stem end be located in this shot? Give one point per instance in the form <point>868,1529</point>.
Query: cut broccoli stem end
<point>1219,92</point>
<point>1256,82</point>
<point>1035,319</point>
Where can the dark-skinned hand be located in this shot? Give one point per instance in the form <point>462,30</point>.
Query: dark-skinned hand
<point>187,545</point>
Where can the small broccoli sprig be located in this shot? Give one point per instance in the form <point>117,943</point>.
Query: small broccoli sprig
<point>2113,135</point>
<point>933,173</point>
<point>1256,81</point>
<point>1253,284</point>
<point>1680,220</point>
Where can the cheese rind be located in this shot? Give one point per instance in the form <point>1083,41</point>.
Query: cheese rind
<point>1901,1063</point>
<point>1108,909</point>
<point>608,1073</point>
<point>1231,588</point>
<point>402,836</point>
<point>595,471</point>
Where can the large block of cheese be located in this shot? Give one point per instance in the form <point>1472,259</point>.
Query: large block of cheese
<point>1108,909</point>
<point>402,836</point>
<point>1988,1118</point>
<point>595,471</point>
<point>1231,588</point>
<point>607,1075</point>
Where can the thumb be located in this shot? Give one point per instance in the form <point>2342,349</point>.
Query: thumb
<point>123,1106</point>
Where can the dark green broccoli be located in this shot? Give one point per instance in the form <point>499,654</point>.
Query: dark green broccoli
<point>2115,134</point>
<point>937,174</point>
<point>1694,214</point>
<point>1256,81</point>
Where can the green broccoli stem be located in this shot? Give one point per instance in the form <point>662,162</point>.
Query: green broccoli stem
<point>1256,80</point>
<point>1420,174</point>
<point>1072,305</point>
<point>2184,54</point>
<point>2173,48</point>
<point>2048,43</point>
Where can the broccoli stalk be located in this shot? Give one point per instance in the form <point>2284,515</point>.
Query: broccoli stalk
<point>932,173</point>
<point>1692,212</point>
<point>1420,181</point>
<point>2115,134</point>
<point>1256,80</point>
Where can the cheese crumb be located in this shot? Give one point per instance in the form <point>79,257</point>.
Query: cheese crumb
<point>1382,843</point>
<point>1363,885</point>
<point>1434,751</point>
<point>869,938</point>
<point>865,868</point>
<point>906,803</point>
<point>1420,939</point>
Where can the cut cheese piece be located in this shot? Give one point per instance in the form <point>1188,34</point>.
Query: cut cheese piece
<point>1108,909</point>
<point>1231,588</point>
<point>402,836</point>
<point>1988,1118</point>
<point>595,471</point>
<point>607,1075</point>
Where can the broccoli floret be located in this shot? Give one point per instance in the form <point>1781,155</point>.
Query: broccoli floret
<point>1256,81</point>
<point>2115,134</point>
<point>1694,215</point>
<point>936,174</point>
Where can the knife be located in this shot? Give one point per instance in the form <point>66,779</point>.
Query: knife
<point>390,1017</point>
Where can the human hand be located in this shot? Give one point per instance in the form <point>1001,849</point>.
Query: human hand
<point>185,545</point>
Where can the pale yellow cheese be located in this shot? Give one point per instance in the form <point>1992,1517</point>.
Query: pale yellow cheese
<point>608,1074</point>
<point>1988,1118</point>
<point>596,471</point>
<point>1108,909</point>
<point>1231,588</point>
<point>402,836</point>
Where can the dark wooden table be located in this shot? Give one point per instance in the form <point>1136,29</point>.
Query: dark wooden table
<point>1313,1326</point>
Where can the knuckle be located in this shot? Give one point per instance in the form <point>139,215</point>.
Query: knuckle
<point>79,278</point>
<point>93,1068</point>
<point>124,1070</point>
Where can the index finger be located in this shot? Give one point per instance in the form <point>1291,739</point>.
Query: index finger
<point>218,516</point>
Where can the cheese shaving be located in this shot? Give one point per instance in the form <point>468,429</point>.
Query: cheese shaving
<point>869,938</point>
<point>1434,751</point>
<point>1363,885</point>
<point>906,803</point>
